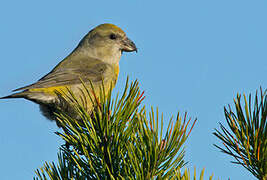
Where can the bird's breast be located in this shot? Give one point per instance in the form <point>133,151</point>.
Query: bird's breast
<point>116,70</point>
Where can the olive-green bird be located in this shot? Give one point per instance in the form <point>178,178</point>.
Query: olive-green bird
<point>95,59</point>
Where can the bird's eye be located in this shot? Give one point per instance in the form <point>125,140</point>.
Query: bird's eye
<point>112,36</point>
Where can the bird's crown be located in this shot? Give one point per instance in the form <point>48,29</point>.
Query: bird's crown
<point>104,28</point>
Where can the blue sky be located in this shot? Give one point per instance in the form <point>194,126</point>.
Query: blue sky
<point>193,56</point>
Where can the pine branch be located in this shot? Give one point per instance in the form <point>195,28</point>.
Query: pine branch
<point>246,139</point>
<point>118,141</point>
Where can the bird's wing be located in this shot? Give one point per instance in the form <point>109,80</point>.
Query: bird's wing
<point>72,72</point>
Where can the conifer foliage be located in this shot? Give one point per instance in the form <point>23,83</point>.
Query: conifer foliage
<point>246,138</point>
<point>118,140</point>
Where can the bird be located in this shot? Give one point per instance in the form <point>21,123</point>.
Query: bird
<point>94,61</point>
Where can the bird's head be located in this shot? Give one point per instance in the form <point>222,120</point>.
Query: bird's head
<point>107,42</point>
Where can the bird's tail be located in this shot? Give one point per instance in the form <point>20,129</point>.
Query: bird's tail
<point>15,95</point>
